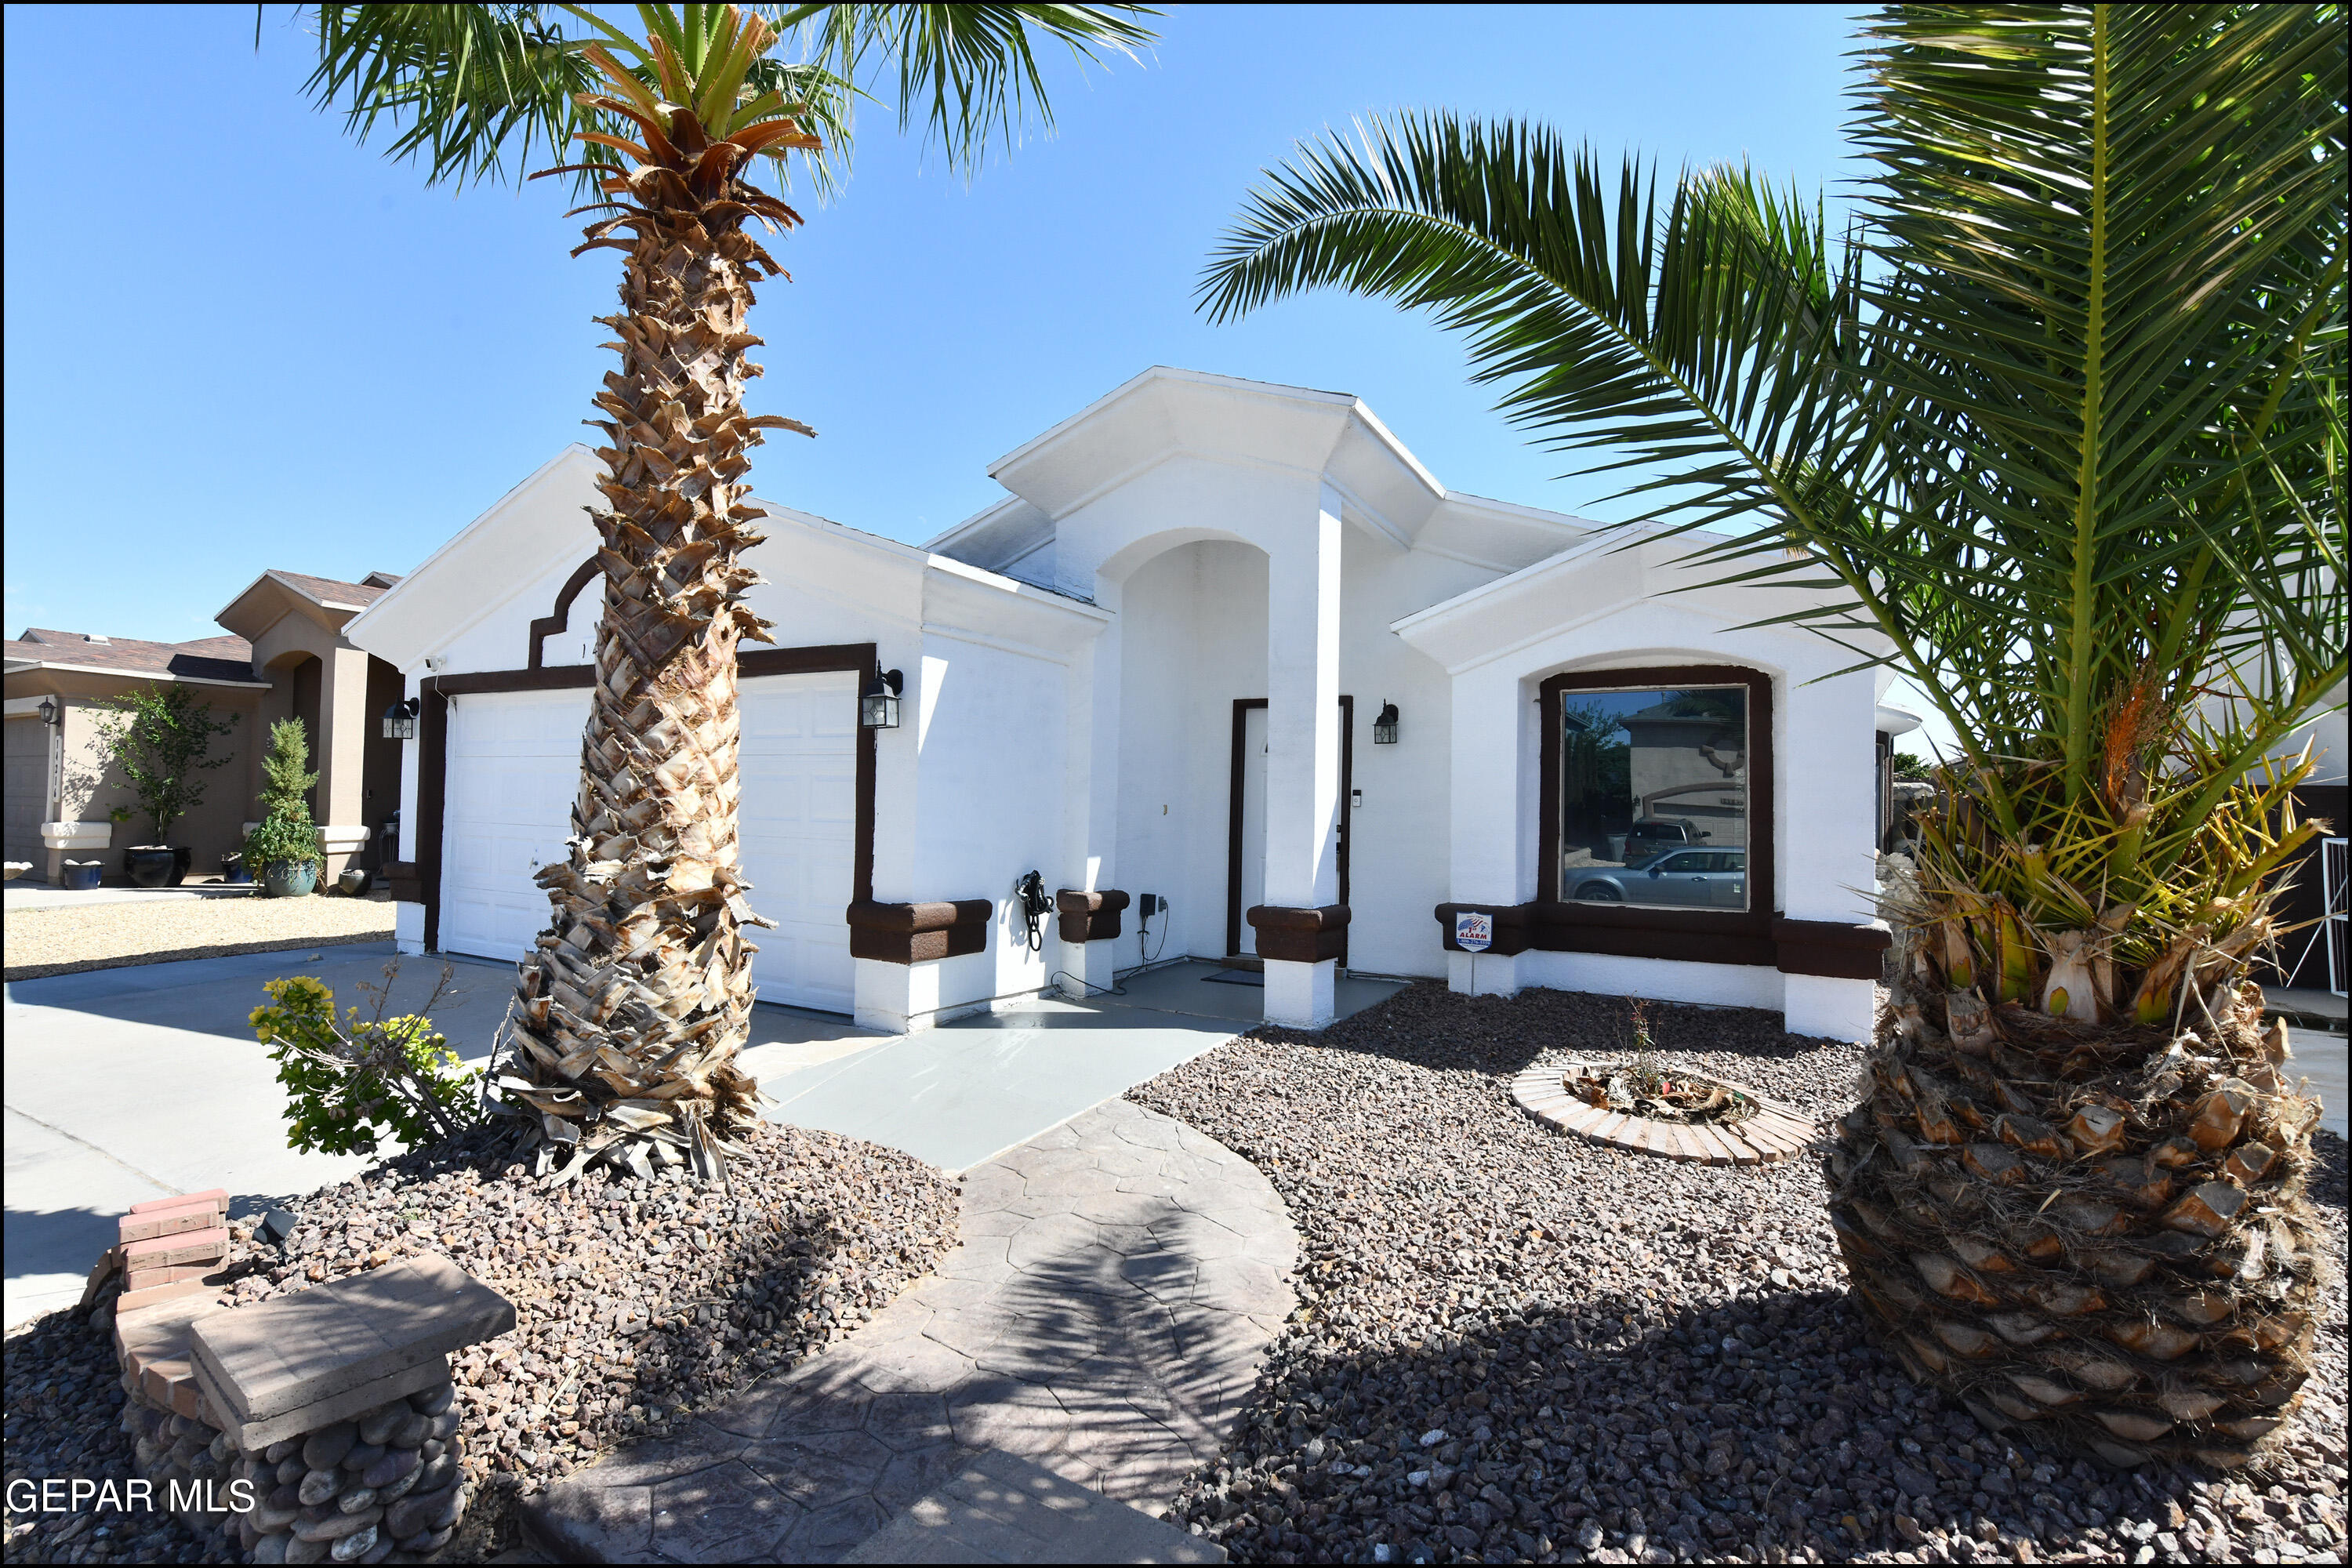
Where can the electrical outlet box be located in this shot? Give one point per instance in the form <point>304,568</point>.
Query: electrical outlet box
<point>1147,905</point>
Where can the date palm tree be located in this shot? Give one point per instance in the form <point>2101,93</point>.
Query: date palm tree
<point>2057,423</point>
<point>630,1009</point>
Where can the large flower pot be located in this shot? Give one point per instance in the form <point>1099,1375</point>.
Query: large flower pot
<point>289,878</point>
<point>150,865</point>
<point>80,876</point>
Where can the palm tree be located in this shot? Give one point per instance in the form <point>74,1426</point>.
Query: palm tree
<point>2058,426</point>
<point>631,1008</point>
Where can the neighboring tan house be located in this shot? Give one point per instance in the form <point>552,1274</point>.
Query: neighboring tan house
<point>287,659</point>
<point>1225,645</point>
<point>295,624</point>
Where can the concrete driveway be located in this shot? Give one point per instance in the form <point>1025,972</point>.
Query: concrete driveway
<point>128,1084</point>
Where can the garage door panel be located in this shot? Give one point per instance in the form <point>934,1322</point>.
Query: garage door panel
<point>513,761</point>
<point>799,776</point>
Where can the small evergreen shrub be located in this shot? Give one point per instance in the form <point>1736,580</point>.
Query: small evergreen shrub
<point>285,835</point>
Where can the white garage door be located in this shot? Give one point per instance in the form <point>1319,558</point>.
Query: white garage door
<point>514,759</point>
<point>514,767</point>
<point>799,834</point>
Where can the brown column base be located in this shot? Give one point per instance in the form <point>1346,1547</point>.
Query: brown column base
<point>1089,917</point>
<point>1287,935</point>
<point>915,933</point>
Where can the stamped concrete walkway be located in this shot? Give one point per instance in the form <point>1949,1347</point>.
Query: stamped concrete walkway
<point>1120,1280</point>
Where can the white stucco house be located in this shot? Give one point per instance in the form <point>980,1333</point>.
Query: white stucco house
<point>1225,658</point>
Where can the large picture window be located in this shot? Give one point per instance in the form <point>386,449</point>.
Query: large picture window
<point>1657,812</point>
<point>1653,796</point>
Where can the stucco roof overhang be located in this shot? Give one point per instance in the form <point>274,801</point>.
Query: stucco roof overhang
<point>273,594</point>
<point>1165,412</point>
<point>1608,573</point>
<point>512,543</point>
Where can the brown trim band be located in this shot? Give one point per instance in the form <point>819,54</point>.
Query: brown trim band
<point>1827,948</point>
<point>914,933</point>
<point>1512,934</point>
<point>1288,935</point>
<point>555,620</point>
<point>1830,948</point>
<point>1089,917</point>
<point>432,756</point>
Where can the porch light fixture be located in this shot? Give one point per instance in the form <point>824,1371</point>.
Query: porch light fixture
<point>1384,728</point>
<point>878,707</point>
<point>400,720</point>
<point>48,710</point>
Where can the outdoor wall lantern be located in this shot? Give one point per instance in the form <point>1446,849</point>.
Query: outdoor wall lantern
<point>879,708</point>
<point>400,720</point>
<point>1384,728</point>
<point>48,710</point>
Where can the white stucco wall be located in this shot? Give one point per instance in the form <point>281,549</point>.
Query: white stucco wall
<point>1603,608</point>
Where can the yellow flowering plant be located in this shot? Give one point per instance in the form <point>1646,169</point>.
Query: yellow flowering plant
<point>353,1082</point>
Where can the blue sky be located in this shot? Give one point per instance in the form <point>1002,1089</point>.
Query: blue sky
<point>236,339</point>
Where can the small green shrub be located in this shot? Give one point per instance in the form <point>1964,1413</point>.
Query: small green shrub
<point>353,1083</point>
<point>285,835</point>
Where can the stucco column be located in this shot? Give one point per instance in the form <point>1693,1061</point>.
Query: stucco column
<point>1495,782</point>
<point>1090,792</point>
<point>1302,759</point>
<point>339,754</point>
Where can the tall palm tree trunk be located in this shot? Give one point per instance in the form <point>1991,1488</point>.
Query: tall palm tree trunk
<point>638,996</point>
<point>2092,1231</point>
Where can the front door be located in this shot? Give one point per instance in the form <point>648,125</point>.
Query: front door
<point>1245,846</point>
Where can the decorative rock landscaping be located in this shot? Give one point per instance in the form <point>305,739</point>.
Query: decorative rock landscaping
<point>636,1301</point>
<point>1514,1344</point>
<point>1772,1134</point>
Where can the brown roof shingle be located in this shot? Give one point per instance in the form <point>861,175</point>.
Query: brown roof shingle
<point>205,658</point>
<point>329,590</point>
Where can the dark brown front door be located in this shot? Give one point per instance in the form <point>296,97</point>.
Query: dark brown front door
<point>1239,818</point>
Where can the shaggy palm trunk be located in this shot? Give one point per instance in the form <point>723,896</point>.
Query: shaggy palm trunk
<point>2092,1231</point>
<point>631,1008</point>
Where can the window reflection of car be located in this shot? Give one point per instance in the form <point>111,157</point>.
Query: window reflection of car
<point>1698,878</point>
<point>1652,835</point>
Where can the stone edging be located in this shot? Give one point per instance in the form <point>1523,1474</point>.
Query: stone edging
<point>1777,1131</point>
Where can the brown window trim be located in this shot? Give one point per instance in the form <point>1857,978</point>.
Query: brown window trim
<point>1704,936</point>
<point>432,738</point>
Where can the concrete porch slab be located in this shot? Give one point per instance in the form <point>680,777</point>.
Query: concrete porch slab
<point>967,1091</point>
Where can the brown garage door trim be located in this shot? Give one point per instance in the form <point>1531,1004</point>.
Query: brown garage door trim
<point>433,738</point>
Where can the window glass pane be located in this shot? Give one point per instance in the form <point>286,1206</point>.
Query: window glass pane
<point>1647,777</point>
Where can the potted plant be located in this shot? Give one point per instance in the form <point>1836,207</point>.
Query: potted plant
<point>160,740</point>
<point>282,851</point>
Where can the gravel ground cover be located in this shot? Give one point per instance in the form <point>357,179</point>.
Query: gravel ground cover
<point>108,936</point>
<point>636,1303</point>
<point>1514,1343</point>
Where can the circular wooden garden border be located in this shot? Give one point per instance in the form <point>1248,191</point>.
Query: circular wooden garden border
<point>1776,1132</point>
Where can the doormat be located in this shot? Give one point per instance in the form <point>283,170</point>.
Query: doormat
<point>1236,977</point>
